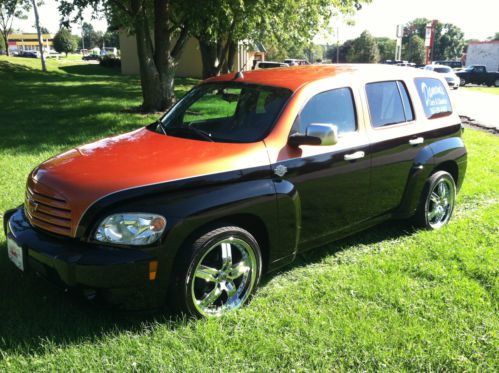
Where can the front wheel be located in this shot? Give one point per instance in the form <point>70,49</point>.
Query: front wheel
<point>496,83</point>
<point>462,82</point>
<point>437,202</point>
<point>219,272</point>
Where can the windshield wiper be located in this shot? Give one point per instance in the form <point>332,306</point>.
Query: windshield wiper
<point>200,133</point>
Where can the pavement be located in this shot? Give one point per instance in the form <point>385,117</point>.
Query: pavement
<point>481,108</point>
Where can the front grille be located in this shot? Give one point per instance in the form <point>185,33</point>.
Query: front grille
<point>47,210</point>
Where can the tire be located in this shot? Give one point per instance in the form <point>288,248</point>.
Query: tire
<point>462,82</point>
<point>496,83</point>
<point>217,274</point>
<point>437,201</point>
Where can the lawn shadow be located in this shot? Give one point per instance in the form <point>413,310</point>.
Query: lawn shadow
<point>35,312</point>
<point>93,69</point>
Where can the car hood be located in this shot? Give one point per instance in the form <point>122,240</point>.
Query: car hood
<point>81,176</point>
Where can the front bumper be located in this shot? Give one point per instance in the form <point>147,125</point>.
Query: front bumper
<point>453,83</point>
<point>118,276</point>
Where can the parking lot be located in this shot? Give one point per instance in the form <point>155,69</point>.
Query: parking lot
<point>482,107</point>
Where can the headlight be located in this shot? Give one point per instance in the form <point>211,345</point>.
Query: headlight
<point>131,228</point>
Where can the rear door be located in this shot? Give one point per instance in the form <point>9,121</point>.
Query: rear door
<point>394,143</point>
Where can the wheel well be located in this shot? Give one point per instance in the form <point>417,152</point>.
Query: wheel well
<point>249,222</point>
<point>450,167</point>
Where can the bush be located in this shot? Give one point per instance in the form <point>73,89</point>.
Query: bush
<point>110,61</point>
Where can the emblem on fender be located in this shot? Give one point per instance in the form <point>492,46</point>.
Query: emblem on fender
<point>280,170</point>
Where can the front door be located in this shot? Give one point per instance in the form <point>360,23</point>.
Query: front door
<point>332,182</point>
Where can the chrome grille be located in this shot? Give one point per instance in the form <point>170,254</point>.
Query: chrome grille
<point>47,210</point>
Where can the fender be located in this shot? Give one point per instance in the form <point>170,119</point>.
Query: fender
<point>189,205</point>
<point>430,158</point>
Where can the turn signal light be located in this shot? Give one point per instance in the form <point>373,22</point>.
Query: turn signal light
<point>153,270</point>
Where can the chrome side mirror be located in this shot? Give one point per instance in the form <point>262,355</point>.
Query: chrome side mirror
<point>327,133</point>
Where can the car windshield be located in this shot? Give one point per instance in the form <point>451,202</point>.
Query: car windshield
<point>443,70</point>
<point>226,112</point>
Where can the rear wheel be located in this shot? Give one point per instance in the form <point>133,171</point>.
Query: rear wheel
<point>496,83</point>
<point>219,272</point>
<point>437,202</point>
<point>462,82</point>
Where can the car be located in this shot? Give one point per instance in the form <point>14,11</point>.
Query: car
<point>451,64</point>
<point>449,75</point>
<point>29,54</point>
<point>244,173</point>
<point>296,62</point>
<point>91,57</point>
<point>268,65</point>
<point>478,74</point>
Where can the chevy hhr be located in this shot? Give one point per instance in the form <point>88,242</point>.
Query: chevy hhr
<point>245,172</point>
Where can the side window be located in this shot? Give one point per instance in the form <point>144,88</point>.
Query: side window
<point>389,103</point>
<point>433,95</point>
<point>332,107</point>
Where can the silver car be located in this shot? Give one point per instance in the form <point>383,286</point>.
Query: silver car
<point>450,77</point>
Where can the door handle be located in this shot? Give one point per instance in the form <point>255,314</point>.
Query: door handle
<point>416,141</point>
<point>354,156</point>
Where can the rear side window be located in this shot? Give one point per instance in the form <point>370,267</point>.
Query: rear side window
<point>332,107</point>
<point>433,95</point>
<point>389,103</point>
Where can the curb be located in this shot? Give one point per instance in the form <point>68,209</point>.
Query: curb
<point>470,122</point>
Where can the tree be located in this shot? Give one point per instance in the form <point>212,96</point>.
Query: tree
<point>386,48</point>
<point>448,41</point>
<point>39,32</point>
<point>344,49</point>
<point>9,10</point>
<point>364,49</point>
<point>495,37</point>
<point>64,42</point>
<point>111,39</point>
<point>90,37</point>
<point>2,44</point>
<point>415,50</point>
<point>161,29</point>
<point>285,27</point>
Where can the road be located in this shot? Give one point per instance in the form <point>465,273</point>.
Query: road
<point>479,106</point>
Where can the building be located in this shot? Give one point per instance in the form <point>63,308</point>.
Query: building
<point>484,53</point>
<point>190,64</point>
<point>29,42</point>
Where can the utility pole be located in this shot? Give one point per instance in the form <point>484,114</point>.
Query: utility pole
<point>337,44</point>
<point>39,32</point>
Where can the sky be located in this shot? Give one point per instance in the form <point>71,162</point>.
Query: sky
<point>477,18</point>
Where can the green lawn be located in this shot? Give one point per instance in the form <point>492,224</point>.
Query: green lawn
<point>390,298</point>
<point>491,90</point>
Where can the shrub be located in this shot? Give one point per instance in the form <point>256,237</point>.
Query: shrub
<point>110,61</point>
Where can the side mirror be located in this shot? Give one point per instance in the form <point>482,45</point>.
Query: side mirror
<point>317,134</point>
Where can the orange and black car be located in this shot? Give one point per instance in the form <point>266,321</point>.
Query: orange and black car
<point>242,174</point>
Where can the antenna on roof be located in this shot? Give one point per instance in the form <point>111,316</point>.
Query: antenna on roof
<point>239,75</point>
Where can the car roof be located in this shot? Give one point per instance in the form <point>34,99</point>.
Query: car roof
<point>295,77</point>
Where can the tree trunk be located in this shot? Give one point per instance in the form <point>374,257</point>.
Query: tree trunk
<point>149,76</point>
<point>231,57</point>
<point>39,32</point>
<point>209,58</point>
<point>5,38</point>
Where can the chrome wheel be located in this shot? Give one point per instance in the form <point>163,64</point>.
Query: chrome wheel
<point>224,277</point>
<point>496,83</point>
<point>440,203</point>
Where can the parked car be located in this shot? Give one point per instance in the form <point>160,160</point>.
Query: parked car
<point>29,54</point>
<point>449,75</point>
<point>477,74</point>
<point>268,65</point>
<point>451,64</point>
<point>296,62</point>
<point>91,57</point>
<point>244,173</point>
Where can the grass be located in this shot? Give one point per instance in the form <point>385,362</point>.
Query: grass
<point>491,90</point>
<point>390,298</point>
